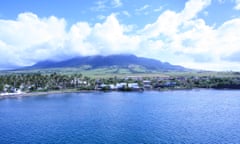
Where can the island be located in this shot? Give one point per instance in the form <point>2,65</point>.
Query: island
<point>18,84</point>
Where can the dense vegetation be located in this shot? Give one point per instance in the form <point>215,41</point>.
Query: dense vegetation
<point>40,82</point>
<point>30,82</point>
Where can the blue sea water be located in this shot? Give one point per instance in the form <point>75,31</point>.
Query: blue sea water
<point>196,116</point>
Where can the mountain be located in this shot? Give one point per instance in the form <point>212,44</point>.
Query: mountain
<point>121,61</point>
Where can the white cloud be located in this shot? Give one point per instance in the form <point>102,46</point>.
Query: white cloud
<point>126,13</point>
<point>102,5</point>
<point>205,13</point>
<point>143,8</point>
<point>116,3</point>
<point>77,42</point>
<point>101,17</point>
<point>237,7</point>
<point>169,21</point>
<point>176,37</point>
<point>189,41</point>
<point>28,32</point>
<point>158,9</point>
<point>30,38</point>
<point>166,24</point>
<point>193,7</point>
<point>109,37</point>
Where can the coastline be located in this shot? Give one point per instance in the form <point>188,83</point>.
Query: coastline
<point>28,94</point>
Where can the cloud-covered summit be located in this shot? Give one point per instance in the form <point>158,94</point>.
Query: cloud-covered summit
<point>179,37</point>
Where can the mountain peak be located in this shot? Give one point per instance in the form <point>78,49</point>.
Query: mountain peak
<point>119,60</point>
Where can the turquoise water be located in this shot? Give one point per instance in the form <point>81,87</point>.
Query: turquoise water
<point>205,116</point>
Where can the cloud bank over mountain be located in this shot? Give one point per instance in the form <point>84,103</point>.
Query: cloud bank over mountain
<point>178,37</point>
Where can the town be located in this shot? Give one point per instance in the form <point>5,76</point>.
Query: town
<point>14,84</point>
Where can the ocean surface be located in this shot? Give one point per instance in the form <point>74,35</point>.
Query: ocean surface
<point>194,116</point>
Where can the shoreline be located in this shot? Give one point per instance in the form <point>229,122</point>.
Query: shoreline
<point>29,94</point>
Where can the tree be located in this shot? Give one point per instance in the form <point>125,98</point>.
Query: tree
<point>1,87</point>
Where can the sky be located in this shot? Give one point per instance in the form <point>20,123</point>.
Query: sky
<point>199,34</point>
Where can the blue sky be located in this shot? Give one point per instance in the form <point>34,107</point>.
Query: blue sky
<point>73,11</point>
<point>201,34</point>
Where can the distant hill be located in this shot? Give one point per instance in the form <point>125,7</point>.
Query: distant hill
<point>119,61</point>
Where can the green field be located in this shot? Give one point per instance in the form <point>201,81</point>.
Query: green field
<point>123,72</point>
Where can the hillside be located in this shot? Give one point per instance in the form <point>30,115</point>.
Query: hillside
<point>113,61</point>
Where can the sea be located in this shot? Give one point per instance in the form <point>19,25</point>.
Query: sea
<point>151,117</point>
